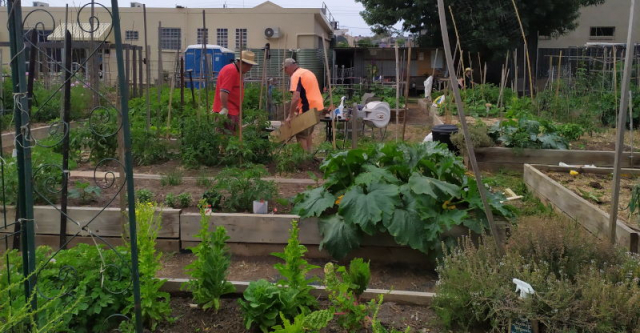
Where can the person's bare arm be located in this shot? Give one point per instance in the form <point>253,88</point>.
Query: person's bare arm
<point>295,98</point>
<point>224,99</point>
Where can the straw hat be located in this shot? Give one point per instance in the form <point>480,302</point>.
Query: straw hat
<point>249,57</point>
<point>468,69</point>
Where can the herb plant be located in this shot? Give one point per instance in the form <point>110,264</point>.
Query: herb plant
<point>84,191</point>
<point>295,269</point>
<point>209,270</point>
<point>414,192</point>
<point>144,195</point>
<point>264,301</point>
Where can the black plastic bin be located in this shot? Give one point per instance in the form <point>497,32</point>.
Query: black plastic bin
<point>442,133</point>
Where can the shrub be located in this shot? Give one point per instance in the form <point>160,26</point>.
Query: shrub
<point>581,284</point>
<point>144,195</point>
<point>240,187</point>
<point>479,137</point>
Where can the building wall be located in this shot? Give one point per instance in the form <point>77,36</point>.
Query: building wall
<point>300,28</point>
<point>613,13</point>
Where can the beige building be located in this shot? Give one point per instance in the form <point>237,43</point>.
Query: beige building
<point>171,30</point>
<point>606,23</point>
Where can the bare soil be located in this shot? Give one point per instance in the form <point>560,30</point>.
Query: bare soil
<point>605,140</point>
<point>383,276</point>
<point>596,188</point>
<point>229,318</point>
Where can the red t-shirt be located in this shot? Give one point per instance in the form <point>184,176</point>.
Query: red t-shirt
<point>229,82</point>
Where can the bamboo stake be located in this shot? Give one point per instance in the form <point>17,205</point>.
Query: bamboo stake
<point>397,88</point>
<point>515,68</point>
<point>559,73</point>
<point>406,94</point>
<point>463,122</point>
<point>263,78</point>
<point>615,78</point>
<point>284,89</point>
<point>172,87</point>
<point>613,215</point>
<point>333,118</point>
<point>458,44</point>
<point>241,95</point>
<point>526,48</point>
<point>147,54</point>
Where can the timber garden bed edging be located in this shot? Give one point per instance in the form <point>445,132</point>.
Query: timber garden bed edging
<point>591,217</point>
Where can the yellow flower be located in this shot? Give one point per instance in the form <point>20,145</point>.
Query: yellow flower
<point>574,173</point>
<point>339,199</point>
<point>445,204</point>
<point>452,207</point>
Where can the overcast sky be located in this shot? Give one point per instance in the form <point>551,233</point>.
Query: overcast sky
<point>346,12</point>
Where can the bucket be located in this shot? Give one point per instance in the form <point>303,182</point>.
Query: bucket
<point>260,207</point>
<point>442,133</point>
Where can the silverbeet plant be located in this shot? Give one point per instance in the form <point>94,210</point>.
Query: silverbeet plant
<point>209,270</point>
<point>414,192</point>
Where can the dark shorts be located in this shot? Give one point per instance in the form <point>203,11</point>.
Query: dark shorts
<point>232,124</point>
<point>305,134</point>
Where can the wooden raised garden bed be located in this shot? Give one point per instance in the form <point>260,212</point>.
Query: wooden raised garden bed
<point>589,215</point>
<point>497,158</point>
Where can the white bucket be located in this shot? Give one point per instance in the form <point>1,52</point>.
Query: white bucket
<point>260,207</point>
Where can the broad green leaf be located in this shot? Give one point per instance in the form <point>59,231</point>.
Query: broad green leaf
<point>407,228</point>
<point>449,218</point>
<point>433,187</point>
<point>375,174</point>
<point>315,203</point>
<point>367,209</point>
<point>338,237</point>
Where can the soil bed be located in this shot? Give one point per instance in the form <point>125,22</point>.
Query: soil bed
<point>395,276</point>
<point>106,198</point>
<point>229,318</point>
<point>596,188</point>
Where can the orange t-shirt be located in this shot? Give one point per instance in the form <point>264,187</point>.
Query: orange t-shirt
<point>305,82</point>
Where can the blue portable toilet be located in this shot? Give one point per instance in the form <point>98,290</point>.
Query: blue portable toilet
<point>220,56</point>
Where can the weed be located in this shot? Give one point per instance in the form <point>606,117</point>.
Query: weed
<point>173,178</point>
<point>85,192</point>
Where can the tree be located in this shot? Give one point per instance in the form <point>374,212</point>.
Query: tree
<point>486,26</point>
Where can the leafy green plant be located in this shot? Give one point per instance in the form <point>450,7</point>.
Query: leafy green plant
<point>571,132</point>
<point>182,200</point>
<point>240,187</point>
<point>84,191</point>
<point>291,157</point>
<point>154,303</point>
<point>313,322</point>
<point>144,195</point>
<point>147,148</point>
<point>209,270</point>
<point>173,178</point>
<point>342,290</point>
<point>264,301</point>
<point>99,137</point>
<point>213,198</point>
<point>294,270</point>
<point>413,192</point>
<point>528,133</point>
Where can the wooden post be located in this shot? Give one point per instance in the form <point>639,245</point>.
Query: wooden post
<point>354,126</point>
<point>140,66</point>
<point>615,78</point>
<point>406,94</point>
<point>263,78</point>
<point>203,58</point>
<point>134,63</point>
<point>558,80</point>
<point>458,45</point>
<point>182,83</point>
<point>463,122</point>
<point>628,65</point>
<point>127,65</point>
<point>397,89</point>
<point>333,115</point>
<point>160,76</point>
<point>148,65</point>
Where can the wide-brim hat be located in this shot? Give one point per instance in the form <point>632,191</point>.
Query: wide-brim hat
<point>248,57</point>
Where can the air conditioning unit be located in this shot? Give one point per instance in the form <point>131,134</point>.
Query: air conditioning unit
<point>272,33</point>
<point>40,4</point>
<point>136,5</point>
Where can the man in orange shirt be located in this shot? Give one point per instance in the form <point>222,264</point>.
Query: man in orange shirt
<point>227,97</point>
<point>306,96</point>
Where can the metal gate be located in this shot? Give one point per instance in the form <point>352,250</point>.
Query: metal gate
<point>31,291</point>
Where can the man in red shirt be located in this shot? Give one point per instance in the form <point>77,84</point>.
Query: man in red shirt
<point>227,97</point>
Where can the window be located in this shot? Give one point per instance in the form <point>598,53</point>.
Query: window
<point>131,35</point>
<point>170,38</point>
<point>222,37</point>
<point>602,32</point>
<point>243,33</point>
<point>206,36</point>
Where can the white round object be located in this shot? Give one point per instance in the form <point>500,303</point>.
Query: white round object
<point>428,138</point>
<point>377,114</point>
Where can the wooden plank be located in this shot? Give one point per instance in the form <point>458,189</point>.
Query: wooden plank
<point>378,254</point>
<point>104,223</point>
<point>164,245</point>
<point>173,285</point>
<point>265,228</point>
<point>298,124</point>
<point>598,170</point>
<point>505,156</point>
<point>588,215</point>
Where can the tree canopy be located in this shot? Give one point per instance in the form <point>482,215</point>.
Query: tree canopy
<point>484,25</point>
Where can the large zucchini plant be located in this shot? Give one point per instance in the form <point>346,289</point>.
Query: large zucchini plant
<point>414,192</point>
